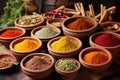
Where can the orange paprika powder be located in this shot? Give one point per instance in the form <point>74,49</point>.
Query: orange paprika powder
<point>11,33</point>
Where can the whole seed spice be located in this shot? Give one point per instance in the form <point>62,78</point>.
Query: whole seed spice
<point>67,65</point>
<point>38,63</point>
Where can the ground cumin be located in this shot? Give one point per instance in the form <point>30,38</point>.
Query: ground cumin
<point>38,63</point>
<point>79,24</point>
<point>95,57</point>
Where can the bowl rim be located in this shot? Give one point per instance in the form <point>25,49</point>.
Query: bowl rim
<point>34,54</point>
<point>22,38</point>
<point>10,55</point>
<point>102,32</point>
<point>40,27</point>
<point>13,28</point>
<point>78,65</point>
<point>64,27</point>
<point>95,65</point>
<point>28,26</point>
<point>64,52</point>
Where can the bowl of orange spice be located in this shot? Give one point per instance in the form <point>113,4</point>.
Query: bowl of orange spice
<point>7,35</point>
<point>96,60</point>
<point>80,27</point>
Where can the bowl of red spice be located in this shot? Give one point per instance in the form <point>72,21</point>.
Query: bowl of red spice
<point>9,34</point>
<point>80,27</point>
<point>107,40</point>
<point>96,60</point>
<point>25,45</point>
<point>64,46</point>
<point>68,68</point>
<point>37,65</point>
<point>7,61</point>
<point>45,33</point>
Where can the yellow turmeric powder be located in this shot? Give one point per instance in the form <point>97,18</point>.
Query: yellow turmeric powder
<point>26,45</point>
<point>64,44</point>
<point>95,57</point>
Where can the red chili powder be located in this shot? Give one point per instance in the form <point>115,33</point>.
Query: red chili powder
<point>79,24</point>
<point>11,33</point>
<point>107,40</point>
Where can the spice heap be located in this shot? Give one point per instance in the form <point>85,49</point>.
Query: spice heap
<point>64,44</point>
<point>45,32</point>
<point>4,60</point>
<point>29,20</point>
<point>11,33</point>
<point>67,65</point>
<point>79,24</point>
<point>107,40</point>
<point>95,57</point>
<point>26,45</point>
<point>56,24</point>
<point>38,63</point>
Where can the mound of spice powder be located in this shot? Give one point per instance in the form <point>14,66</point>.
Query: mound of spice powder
<point>107,40</point>
<point>11,33</point>
<point>45,32</point>
<point>95,57</point>
<point>38,62</point>
<point>79,24</point>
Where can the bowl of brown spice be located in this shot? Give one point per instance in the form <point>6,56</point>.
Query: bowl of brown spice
<point>80,27</point>
<point>95,60</point>
<point>37,65</point>
<point>7,61</point>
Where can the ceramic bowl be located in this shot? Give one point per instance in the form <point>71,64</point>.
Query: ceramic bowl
<point>46,39</point>
<point>37,74</point>
<point>110,26</point>
<point>66,54</point>
<point>8,64</point>
<point>55,22</point>
<point>21,54</point>
<point>81,34</point>
<point>6,41</point>
<point>114,49</point>
<point>95,68</point>
<point>68,75</point>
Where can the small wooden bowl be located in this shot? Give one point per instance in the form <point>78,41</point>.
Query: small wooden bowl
<point>81,34</point>
<point>67,54</point>
<point>37,74</point>
<point>68,75</point>
<point>114,49</point>
<point>21,54</point>
<point>95,68</point>
<point>46,39</point>
<point>6,41</point>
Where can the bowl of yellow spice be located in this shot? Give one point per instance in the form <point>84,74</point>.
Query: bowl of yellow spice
<point>95,60</point>
<point>64,46</point>
<point>80,27</point>
<point>25,45</point>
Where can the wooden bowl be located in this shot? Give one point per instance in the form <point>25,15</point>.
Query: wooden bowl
<point>21,54</point>
<point>66,54</point>
<point>95,68</point>
<point>6,41</point>
<point>45,39</point>
<point>37,74</point>
<point>81,34</point>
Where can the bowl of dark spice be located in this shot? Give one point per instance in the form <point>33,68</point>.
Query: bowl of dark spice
<point>96,60</point>
<point>64,46</point>
<point>68,68</point>
<point>7,35</point>
<point>110,26</point>
<point>107,40</point>
<point>80,27</point>
<point>37,65</point>
<point>45,33</point>
<point>25,45</point>
<point>7,61</point>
